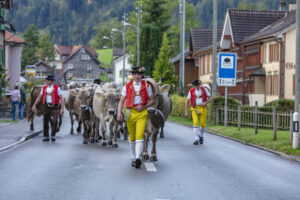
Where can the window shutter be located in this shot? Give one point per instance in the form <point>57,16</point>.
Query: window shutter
<point>266,85</point>
<point>200,65</point>
<point>262,54</point>
<point>208,63</point>
<point>270,53</point>
<point>272,85</point>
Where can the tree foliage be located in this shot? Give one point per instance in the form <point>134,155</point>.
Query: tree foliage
<point>29,51</point>
<point>3,81</point>
<point>46,49</point>
<point>163,69</point>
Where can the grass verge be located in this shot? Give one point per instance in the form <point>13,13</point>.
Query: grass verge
<point>8,121</point>
<point>263,138</point>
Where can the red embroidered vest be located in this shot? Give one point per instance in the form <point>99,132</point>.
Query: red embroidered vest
<point>54,94</point>
<point>131,94</point>
<point>194,97</point>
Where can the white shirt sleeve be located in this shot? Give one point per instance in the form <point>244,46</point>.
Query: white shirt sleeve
<point>150,91</point>
<point>189,95</point>
<point>124,92</point>
<point>207,92</point>
<point>59,91</point>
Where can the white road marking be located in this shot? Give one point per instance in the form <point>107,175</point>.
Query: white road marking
<point>150,167</point>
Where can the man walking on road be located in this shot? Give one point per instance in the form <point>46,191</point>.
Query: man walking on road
<point>15,98</point>
<point>22,102</point>
<point>199,96</point>
<point>51,96</point>
<point>138,96</point>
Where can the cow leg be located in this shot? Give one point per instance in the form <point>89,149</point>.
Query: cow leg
<point>79,126</point>
<point>125,131</point>
<point>153,156</point>
<point>30,118</point>
<point>103,130</point>
<point>162,135</point>
<point>95,133</point>
<point>85,132</point>
<point>59,122</point>
<point>145,155</point>
<point>115,134</point>
<point>72,123</point>
<point>111,127</point>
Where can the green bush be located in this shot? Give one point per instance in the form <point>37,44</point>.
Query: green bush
<point>219,102</point>
<point>178,103</point>
<point>282,105</point>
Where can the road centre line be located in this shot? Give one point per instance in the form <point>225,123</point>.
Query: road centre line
<point>150,167</point>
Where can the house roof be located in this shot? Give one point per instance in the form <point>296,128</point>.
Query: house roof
<point>177,57</point>
<point>259,72</point>
<point>70,51</point>
<point>42,62</point>
<point>272,29</point>
<point>202,37</point>
<point>245,23</point>
<point>10,38</point>
<point>118,52</point>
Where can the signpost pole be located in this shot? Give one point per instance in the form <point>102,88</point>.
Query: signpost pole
<point>226,108</point>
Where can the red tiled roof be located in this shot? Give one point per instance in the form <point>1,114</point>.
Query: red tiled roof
<point>9,37</point>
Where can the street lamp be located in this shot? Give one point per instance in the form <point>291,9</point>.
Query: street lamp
<point>124,43</point>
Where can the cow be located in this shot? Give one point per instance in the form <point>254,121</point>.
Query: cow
<point>87,116</point>
<point>72,103</point>
<point>39,108</point>
<point>105,103</point>
<point>156,119</point>
<point>164,104</point>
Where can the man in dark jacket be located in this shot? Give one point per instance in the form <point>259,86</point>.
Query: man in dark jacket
<point>22,102</point>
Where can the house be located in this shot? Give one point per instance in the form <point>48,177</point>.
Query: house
<point>79,63</point>
<point>43,69</point>
<point>203,52</point>
<point>240,24</point>
<point>13,52</point>
<point>118,69</point>
<point>275,71</point>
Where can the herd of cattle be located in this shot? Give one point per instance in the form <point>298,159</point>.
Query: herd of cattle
<point>95,108</point>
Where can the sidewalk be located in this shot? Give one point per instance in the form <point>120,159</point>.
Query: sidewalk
<point>13,133</point>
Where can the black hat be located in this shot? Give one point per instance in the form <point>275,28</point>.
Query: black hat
<point>97,81</point>
<point>196,82</point>
<point>138,70</point>
<point>50,78</point>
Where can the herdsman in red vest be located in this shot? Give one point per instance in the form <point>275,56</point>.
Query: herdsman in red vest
<point>51,97</point>
<point>199,96</point>
<point>138,96</point>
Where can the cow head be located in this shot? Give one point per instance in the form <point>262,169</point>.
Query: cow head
<point>86,98</point>
<point>111,97</point>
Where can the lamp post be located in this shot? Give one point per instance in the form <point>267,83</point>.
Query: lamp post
<point>124,43</point>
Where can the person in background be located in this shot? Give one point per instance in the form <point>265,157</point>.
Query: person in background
<point>22,102</point>
<point>198,96</point>
<point>15,98</point>
<point>51,96</point>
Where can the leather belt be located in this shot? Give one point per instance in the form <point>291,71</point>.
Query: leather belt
<point>135,105</point>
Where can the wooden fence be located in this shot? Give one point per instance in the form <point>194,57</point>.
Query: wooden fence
<point>262,120</point>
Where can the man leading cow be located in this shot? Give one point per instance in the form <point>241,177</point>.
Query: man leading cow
<point>51,96</point>
<point>138,96</point>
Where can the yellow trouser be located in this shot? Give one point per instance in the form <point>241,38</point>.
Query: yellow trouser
<point>201,115</point>
<point>136,124</point>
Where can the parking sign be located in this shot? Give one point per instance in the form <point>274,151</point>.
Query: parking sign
<point>227,69</point>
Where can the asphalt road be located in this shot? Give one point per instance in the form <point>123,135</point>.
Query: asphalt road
<point>219,169</point>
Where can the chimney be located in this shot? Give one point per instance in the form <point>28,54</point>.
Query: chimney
<point>282,6</point>
<point>292,6</point>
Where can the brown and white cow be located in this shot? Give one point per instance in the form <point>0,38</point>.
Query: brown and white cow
<point>105,105</point>
<point>164,104</point>
<point>72,104</point>
<point>39,108</point>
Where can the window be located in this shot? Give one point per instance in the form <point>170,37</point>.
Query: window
<point>276,56</point>
<point>70,66</point>
<point>275,82</point>
<point>265,53</point>
<point>269,84</point>
<point>85,57</point>
<point>82,50</point>
<point>70,75</point>
<point>88,67</point>
<point>88,75</point>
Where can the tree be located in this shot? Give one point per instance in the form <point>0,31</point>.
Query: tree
<point>3,81</point>
<point>46,49</point>
<point>163,69</point>
<point>30,50</point>
<point>154,23</point>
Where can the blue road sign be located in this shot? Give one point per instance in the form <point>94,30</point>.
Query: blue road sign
<point>227,69</point>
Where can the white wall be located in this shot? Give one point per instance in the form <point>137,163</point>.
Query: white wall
<point>118,66</point>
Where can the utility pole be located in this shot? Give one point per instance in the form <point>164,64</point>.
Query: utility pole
<point>215,34</point>
<point>182,46</point>
<point>297,78</point>
<point>138,34</point>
